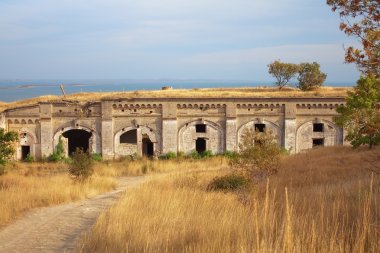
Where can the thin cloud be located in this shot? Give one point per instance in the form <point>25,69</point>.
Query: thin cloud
<point>172,38</point>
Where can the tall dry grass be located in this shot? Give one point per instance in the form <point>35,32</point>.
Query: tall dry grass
<point>27,186</point>
<point>322,201</point>
<point>147,166</point>
<point>31,185</point>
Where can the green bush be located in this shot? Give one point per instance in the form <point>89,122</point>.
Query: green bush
<point>230,154</point>
<point>168,156</point>
<point>81,166</point>
<point>97,157</point>
<point>232,182</point>
<point>207,154</point>
<point>181,154</point>
<point>68,160</point>
<point>195,155</point>
<point>29,158</point>
<point>59,153</point>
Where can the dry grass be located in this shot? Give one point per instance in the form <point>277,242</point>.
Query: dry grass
<point>31,185</point>
<point>321,201</point>
<point>146,166</point>
<point>27,186</point>
<point>186,93</point>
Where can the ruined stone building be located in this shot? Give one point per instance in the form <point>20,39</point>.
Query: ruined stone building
<point>148,126</point>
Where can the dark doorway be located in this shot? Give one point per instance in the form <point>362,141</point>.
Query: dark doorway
<point>25,151</point>
<point>200,128</point>
<point>260,128</point>
<point>200,145</point>
<point>77,138</point>
<point>318,142</point>
<point>318,127</point>
<point>147,147</point>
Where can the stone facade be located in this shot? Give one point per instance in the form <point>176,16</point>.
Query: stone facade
<point>161,125</point>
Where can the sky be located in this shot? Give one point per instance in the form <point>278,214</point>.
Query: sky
<point>179,39</point>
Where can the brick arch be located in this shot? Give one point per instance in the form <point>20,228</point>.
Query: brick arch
<point>95,146</point>
<point>275,128</point>
<point>29,138</point>
<point>215,136</point>
<point>30,133</point>
<point>332,134</point>
<point>123,150</point>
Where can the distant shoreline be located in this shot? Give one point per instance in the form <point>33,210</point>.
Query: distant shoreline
<point>14,90</point>
<point>31,86</point>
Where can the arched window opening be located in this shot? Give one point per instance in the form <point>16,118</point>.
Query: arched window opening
<point>260,128</point>
<point>129,137</point>
<point>318,127</point>
<point>200,128</point>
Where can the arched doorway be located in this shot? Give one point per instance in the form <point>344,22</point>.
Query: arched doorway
<point>147,147</point>
<point>27,143</point>
<point>318,132</point>
<point>200,145</point>
<point>77,138</point>
<point>201,135</point>
<point>140,140</point>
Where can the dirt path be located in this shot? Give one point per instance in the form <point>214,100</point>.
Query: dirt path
<point>56,229</point>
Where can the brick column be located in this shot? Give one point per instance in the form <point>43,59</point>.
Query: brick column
<point>169,128</point>
<point>290,127</point>
<point>107,139</point>
<point>231,130</point>
<point>46,130</point>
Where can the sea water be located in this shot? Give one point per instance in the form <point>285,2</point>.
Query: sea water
<point>11,90</point>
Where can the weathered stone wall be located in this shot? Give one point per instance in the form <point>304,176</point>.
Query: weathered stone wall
<point>170,123</point>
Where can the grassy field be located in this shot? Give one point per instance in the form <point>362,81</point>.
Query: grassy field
<point>30,185</point>
<point>183,93</point>
<point>325,200</point>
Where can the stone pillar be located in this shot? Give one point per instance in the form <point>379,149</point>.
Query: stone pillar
<point>2,121</point>
<point>46,130</point>
<point>290,128</point>
<point>169,128</point>
<point>231,131</point>
<point>107,138</point>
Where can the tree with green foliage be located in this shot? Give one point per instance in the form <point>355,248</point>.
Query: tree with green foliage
<point>361,18</point>
<point>310,76</point>
<point>259,155</point>
<point>283,72</point>
<point>59,153</point>
<point>7,140</point>
<point>361,114</point>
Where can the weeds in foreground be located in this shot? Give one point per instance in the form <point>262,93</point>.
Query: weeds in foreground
<point>321,201</point>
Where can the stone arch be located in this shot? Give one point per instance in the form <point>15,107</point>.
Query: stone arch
<point>214,136</point>
<point>332,134</point>
<point>27,143</point>
<point>271,126</point>
<point>125,149</point>
<point>94,141</point>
